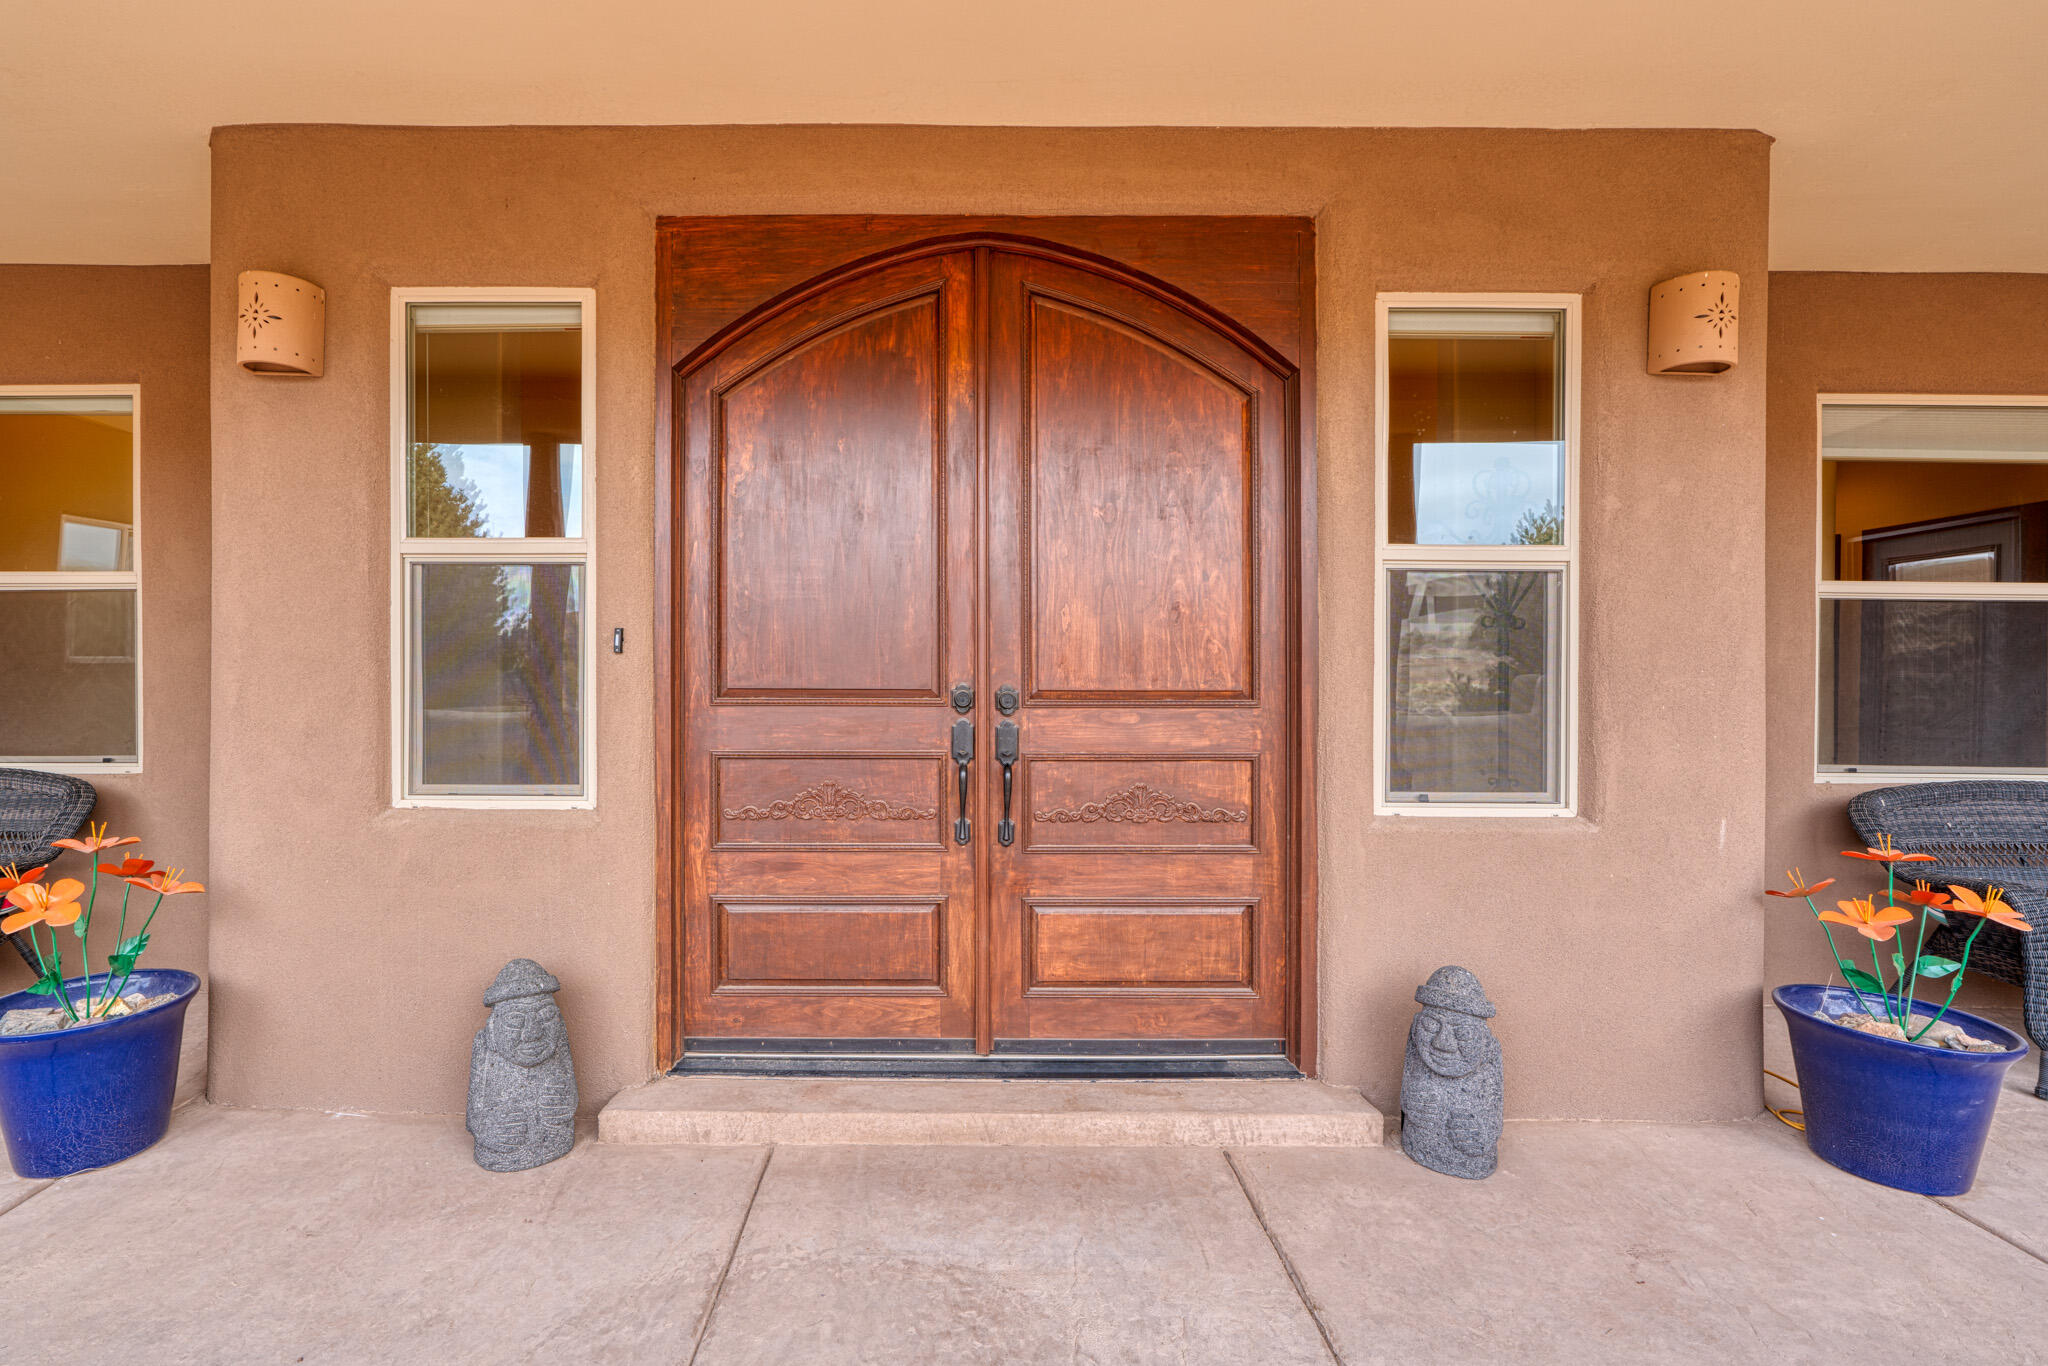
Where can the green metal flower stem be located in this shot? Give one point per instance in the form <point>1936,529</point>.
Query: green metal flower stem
<point>1908,971</point>
<point>1841,963</point>
<point>1912,986</point>
<point>1884,992</point>
<point>63,996</point>
<point>1911,967</point>
<point>120,938</point>
<point>43,965</point>
<point>84,927</point>
<point>1957,984</point>
<point>139,933</point>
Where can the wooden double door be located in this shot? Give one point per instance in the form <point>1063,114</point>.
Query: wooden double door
<point>986,677</point>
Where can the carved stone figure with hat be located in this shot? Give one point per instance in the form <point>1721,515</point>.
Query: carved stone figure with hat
<point>1451,1096</point>
<point>522,1085</point>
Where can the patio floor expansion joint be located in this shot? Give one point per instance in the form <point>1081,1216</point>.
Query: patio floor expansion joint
<point>13,1197</point>
<point>731,1254</point>
<point>1286,1262</point>
<point>1949,1204</point>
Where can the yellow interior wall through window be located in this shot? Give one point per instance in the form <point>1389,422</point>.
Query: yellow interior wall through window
<point>54,465</point>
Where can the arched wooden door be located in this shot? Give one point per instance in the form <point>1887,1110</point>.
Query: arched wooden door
<point>986,673</point>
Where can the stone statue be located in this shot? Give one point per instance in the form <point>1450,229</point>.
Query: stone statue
<point>522,1086</point>
<point>1451,1099</point>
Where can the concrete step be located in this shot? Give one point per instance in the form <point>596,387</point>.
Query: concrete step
<point>1104,1114</point>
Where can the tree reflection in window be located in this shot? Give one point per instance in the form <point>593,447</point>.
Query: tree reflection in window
<point>498,684</point>
<point>1475,682</point>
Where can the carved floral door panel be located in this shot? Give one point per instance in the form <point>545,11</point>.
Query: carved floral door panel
<point>1044,479</point>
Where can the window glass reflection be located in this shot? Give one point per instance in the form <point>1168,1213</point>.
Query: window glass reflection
<point>1474,437</point>
<point>1942,521</point>
<point>497,678</point>
<point>496,421</point>
<point>68,676</point>
<point>1475,685</point>
<point>1488,493</point>
<point>1945,686</point>
<point>495,489</point>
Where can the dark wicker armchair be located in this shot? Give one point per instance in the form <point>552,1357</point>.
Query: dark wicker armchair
<point>36,808</point>
<point>1982,834</point>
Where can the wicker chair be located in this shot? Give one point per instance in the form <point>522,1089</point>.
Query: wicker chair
<point>1982,834</point>
<point>36,808</point>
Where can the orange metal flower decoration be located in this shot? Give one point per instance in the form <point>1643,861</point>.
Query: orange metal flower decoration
<point>1992,906</point>
<point>1896,1000</point>
<point>1799,885</point>
<point>1923,895</point>
<point>54,905</point>
<point>12,877</point>
<point>1869,920</point>
<point>164,882</point>
<point>1887,852</point>
<point>96,840</point>
<point>31,904</point>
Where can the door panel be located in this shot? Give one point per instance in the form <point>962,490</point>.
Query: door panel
<point>821,943</point>
<point>831,508</point>
<point>1135,464</point>
<point>1137,474</point>
<point>1146,947</point>
<point>829,457</point>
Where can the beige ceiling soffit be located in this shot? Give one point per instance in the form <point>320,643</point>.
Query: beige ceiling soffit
<point>1910,136</point>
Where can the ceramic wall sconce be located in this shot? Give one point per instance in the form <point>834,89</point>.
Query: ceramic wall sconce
<point>280,324</point>
<point>1693,322</point>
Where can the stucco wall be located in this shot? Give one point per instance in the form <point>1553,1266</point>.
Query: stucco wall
<point>1845,333</point>
<point>142,325</point>
<point>1624,948</point>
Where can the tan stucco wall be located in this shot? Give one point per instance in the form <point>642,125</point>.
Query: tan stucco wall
<point>1838,333</point>
<point>356,938</point>
<point>141,325</point>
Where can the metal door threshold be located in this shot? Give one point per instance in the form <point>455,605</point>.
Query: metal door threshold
<point>1127,1059</point>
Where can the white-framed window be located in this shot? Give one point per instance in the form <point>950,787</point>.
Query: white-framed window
<point>71,577</point>
<point>493,399</point>
<point>1932,570</point>
<point>1477,411</point>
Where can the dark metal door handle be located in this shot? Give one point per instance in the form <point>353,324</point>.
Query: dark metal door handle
<point>963,755</point>
<point>1006,755</point>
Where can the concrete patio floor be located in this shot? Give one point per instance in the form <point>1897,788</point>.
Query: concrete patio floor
<point>258,1236</point>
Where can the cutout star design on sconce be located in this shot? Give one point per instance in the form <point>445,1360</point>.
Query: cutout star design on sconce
<point>1719,316</point>
<point>256,317</point>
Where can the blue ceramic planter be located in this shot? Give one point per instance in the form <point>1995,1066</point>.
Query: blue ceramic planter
<point>92,1094</point>
<point>1900,1114</point>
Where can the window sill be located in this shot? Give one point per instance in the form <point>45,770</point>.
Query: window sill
<point>1888,778</point>
<point>494,804</point>
<point>1483,810</point>
<point>72,770</point>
